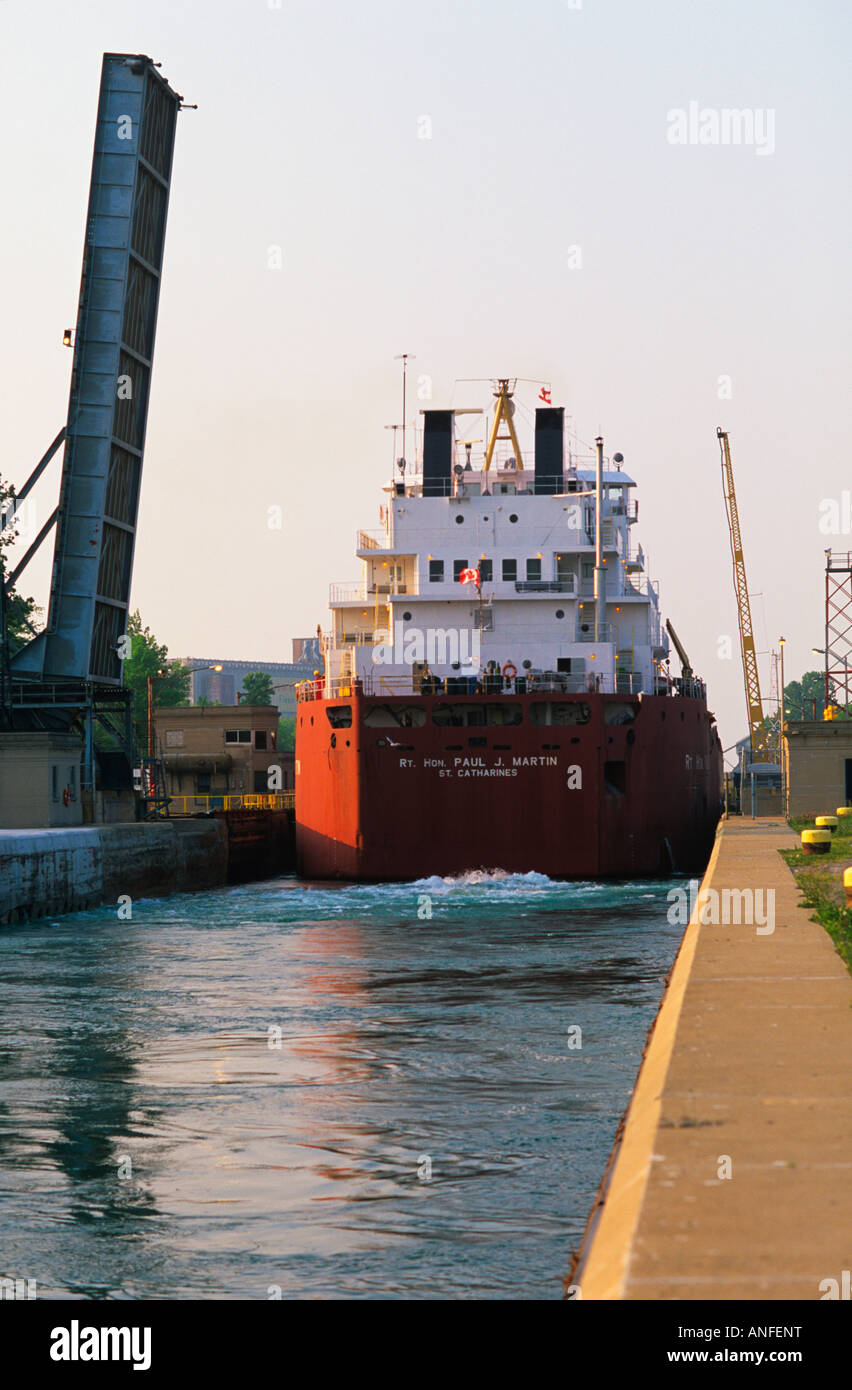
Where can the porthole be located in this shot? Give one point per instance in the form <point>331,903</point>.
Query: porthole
<point>560,612</point>
<point>513,517</point>
<point>459,520</point>
<point>406,617</point>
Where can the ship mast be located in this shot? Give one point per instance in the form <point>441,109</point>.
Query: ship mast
<point>504,412</point>
<point>403,358</point>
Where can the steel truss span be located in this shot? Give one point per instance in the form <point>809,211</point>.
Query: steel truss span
<point>111,377</point>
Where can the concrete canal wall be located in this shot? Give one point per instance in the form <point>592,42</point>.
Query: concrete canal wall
<point>731,1176</point>
<point>43,872</point>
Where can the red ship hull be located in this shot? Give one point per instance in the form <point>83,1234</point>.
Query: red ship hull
<point>585,800</point>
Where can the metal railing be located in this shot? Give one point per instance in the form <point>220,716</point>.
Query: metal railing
<point>372,540</point>
<point>589,635</point>
<point>568,585</point>
<point>201,805</point>
<point>359,592</point>
<point>526,682</point>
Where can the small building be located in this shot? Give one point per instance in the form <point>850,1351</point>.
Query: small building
<point>818,763</point>
<point>40,780</point>
<point>220,750</point>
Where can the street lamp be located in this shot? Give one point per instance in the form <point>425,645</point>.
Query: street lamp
<point>781,641</point>
<point>824,651</point>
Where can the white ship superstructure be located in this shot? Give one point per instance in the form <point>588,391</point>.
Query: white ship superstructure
<point>491,559</point>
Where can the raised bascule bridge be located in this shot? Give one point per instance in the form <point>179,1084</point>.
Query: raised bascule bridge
<point>69,677</point>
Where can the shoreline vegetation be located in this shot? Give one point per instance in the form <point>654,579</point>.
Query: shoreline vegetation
<point>820,881</point>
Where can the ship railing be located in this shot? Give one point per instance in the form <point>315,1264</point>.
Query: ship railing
<point>203,805</point>
<point>372,540</point>
<point>357,591</point>
<point>344,593</point>
<point>567,585</point>
<point>635,583</point>
<point>689,687</point>
<point>371,638</point>
<point>587,631</point>
<point>527,682</point>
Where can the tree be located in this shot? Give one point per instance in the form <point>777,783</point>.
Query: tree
<point>22,614</point>
<point>803,699</point>
<point>146,657</point>
<point>22,619</point>
<point>257,689</point>
<point>286,733</point>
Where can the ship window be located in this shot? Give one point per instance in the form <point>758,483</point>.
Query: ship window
<point>533,570</point>
<point>461,716</point>
<point>393,716</point>
<point>339,716</point>
<point>619,714</point>
<point>406,617</point>
<point>260,739</point>
<point>436,571</point>
<point>486,571</point>
<point>513,518</point>
<point>458,566</point>
<point>459,520</point>
<point>510,571</point>
<point>238,735</point>
<point>560,612</point>
<point>458,716</point>
<point>553,712</point>
<point>615,778</point>
<point>504,714</point>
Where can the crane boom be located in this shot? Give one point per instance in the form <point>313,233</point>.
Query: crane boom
<point>685,667</point>
<point>756,725</point>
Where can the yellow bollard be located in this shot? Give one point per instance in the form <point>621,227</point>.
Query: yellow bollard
<point>826,823</point>
<point>816,841</point>
<point>847,884</point>
<point>844,813</point>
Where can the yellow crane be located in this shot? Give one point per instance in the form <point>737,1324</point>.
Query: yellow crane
<point>760,752</point>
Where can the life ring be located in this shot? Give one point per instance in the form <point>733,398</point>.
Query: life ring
<point>66,797</point>
<point>510,670</point>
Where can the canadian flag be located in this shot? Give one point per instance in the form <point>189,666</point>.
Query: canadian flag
<point>544,395</point>
<point>469,577</point>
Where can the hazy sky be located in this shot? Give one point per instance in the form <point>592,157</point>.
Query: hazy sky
<point>550,131</point>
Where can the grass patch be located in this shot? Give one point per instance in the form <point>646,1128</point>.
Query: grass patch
<point>820,880</point>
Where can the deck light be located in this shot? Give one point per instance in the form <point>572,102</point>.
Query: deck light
<point>66,338</point>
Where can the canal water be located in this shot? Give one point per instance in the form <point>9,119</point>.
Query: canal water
<point>320,1092</point>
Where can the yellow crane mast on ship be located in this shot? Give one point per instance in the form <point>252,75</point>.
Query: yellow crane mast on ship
<point>760,752</point>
